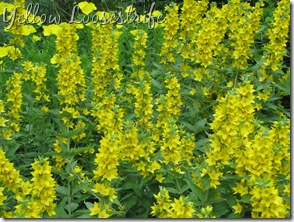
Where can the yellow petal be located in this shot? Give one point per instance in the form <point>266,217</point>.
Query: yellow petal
<point>27,30</point>
<point>119,26</point>
<point>3,52</point>
<point>87,7</point>
<point>51,29</point>
<point>36,38</point>
<point>130,9</point>
<point>134,32</point>
<point>156,13</point>
<point>3,5</point>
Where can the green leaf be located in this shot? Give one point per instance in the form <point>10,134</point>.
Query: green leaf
<point>80,150</point>
<point>64,148</point>
<point>130,203</point>
<point>62,190</point>
<point>194,198</point>
<point>89,205</point>
<point>126,197</point>
<point>12,150</point>
<point>232,215</point>
<point>273,99</point>
<point>130,116</point>
<point>64,130</point>
<point>86,215</point>
<point>199,193</point>
<point>156,84</point>
<point>189,126</point>
<point>71,207</point>
<point>74,132</point>
<point>246,198</point>
<point>199,125</point>
<point>116,201</point>
<point>29,97</point>
<point>155,73</point>
<point>59,209</point>
<point>172,190</point>
<point>127,185</point>
<point>60,173</point>
<point>75,188</point>
<point>220,209</point>
<point>215,200</point>
<point>138,191</point>
<point>229,177</point>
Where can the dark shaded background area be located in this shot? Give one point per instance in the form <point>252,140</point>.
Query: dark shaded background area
<point>64,7</point>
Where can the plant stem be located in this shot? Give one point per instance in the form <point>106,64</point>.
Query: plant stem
<point>69,199</point>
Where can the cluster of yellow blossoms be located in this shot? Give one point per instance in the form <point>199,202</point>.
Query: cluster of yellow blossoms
<point>277,35</point>
<point>255,152</point>
<point>166,208</point>
<point>171,27</point>
<point>14,102</point>
<point>32,197</point>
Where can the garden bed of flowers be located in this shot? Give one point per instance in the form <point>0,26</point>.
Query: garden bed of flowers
<point>175,113</point>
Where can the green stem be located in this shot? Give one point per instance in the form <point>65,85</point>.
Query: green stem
<point>69,199</point>
<point>236,78</point>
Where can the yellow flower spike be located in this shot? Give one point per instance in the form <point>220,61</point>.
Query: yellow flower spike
<point>87,7</point>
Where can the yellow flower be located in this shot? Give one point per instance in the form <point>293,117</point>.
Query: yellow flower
<point>3,5</point>
<point>51,29</point>
<point>182,208</point>
<point>36,38</point>
<point>27,30</point>
<point>134,32</point>
<point>156,13</point>
<point>3,52</point>
<point>193,91</point>
<point>97,210</point>
<point>238,208</point>
<point>154,166</point>
<point>241,189</point>
<point>2,196</point>
<point>129,9</point>
<point>87,7</point>
<point>258,106</point>
<point>159,178</point>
